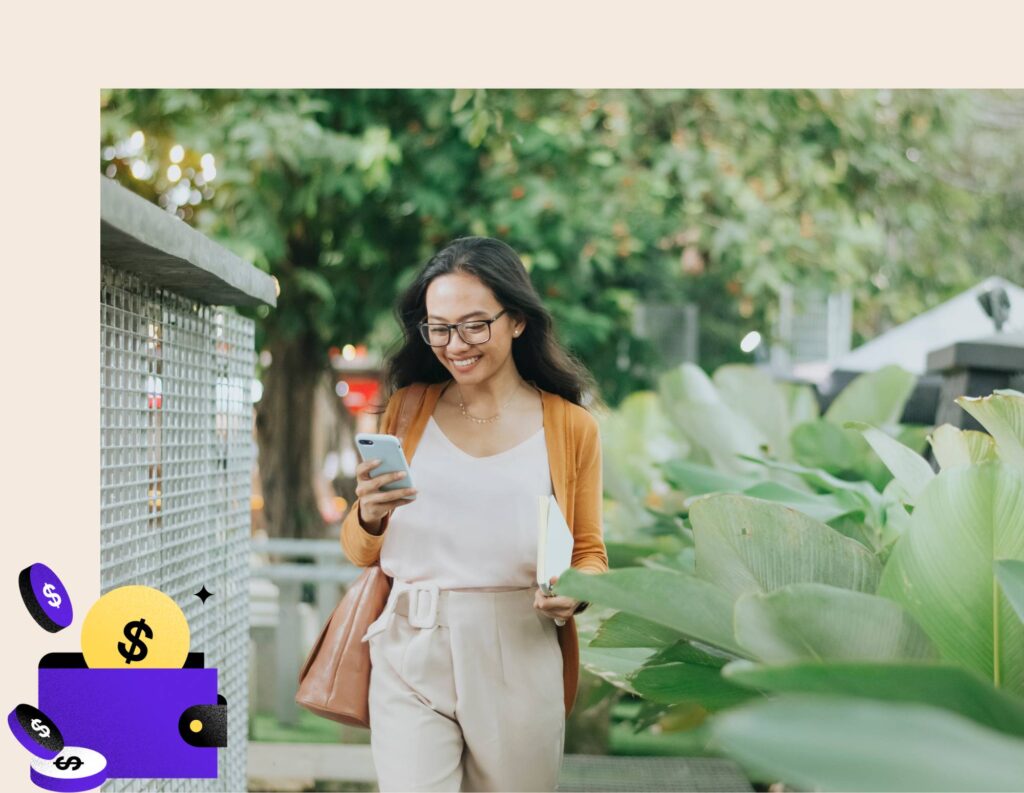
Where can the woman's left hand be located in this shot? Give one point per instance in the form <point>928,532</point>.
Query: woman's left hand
<point>556,607</point>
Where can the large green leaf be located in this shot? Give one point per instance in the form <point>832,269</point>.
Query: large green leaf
<point>895,514</point>
<point>838,743</point>
<point>623,629</point>
<point>623,554</point>
<point>801,402</point>
<point>683,602</point>
<point>678,562</point>
<point>753,393</point>
<point>943,685</point>
<point>694,479</point>
<point>1002,414</point>
<point>635,438</point>
<point>874,397</point>
<point>824,507</point>
<point>692,402</point>
<point>746,544</point>
<point>909,468</point>
<point>689,652</point>
<point>824,481</point>
<point>1010,573</point>
<point>942,568</point>
<point>953,446</point>
<point>683,673</point>
<point>614,664</point>
<point>816,621</point>
<point>913,436</point>
<point>678,681</point>
<point>822,444</point>
<point>857,528</point>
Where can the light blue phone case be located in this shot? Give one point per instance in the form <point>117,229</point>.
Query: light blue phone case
<point>387,449</point>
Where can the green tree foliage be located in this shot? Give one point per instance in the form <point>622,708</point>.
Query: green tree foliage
<point>614,197</point>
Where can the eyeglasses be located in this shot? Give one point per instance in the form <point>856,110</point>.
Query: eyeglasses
<point>472,331</point>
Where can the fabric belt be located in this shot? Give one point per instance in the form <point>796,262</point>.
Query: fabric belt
<point>425,605</point>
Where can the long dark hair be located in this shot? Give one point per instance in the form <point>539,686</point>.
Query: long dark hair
<point>538,356</point>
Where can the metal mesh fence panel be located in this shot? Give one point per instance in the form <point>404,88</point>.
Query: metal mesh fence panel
<point>176,455</point>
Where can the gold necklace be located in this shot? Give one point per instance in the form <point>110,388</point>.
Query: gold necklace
<point>462,407</point>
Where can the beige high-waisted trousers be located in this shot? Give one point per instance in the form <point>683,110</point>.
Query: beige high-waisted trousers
<point>465,692</point>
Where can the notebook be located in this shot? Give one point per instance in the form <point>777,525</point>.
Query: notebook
<point>554,543</point>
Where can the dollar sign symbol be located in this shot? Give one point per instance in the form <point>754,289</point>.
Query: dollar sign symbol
<point>138,649</point>
<point>74,762</point>
<point>50,592</point>
<point>42,729</point>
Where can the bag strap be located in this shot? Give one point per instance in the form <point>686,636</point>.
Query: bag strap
<point>411,401</point>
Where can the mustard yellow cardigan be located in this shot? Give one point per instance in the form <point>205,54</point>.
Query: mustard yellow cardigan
<point>574,457</point>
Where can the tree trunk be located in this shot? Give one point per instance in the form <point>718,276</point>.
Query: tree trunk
<point>284,425</point>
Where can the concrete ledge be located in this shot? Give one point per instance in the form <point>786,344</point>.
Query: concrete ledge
<point>137,235</point>
<point>1002,352</point>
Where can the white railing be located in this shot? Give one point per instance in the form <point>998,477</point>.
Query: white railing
<point>278,631</point>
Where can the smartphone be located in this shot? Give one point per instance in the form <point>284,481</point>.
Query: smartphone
<point>387,449</point>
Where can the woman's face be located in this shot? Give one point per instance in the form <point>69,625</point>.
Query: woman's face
<point>458,297</point>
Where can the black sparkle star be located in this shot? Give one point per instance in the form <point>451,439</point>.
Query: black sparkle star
<point>203,594</point>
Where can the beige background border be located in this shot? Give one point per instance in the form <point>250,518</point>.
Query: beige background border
<point>55,61</point>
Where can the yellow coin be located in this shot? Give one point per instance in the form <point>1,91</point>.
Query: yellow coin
<point>135,627</point>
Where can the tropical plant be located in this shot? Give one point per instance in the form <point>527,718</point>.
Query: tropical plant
<point>740,431</point>
<point>829,668</point>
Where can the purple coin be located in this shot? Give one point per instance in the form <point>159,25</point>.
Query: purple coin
<point>35,731</point>
<point>46,597</point>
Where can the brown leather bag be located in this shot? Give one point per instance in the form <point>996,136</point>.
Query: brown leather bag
<point>335,680</point>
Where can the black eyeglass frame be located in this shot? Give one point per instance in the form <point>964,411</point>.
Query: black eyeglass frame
<point>457,326</point>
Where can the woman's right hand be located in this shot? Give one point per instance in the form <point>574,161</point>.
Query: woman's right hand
<point>376,504</point>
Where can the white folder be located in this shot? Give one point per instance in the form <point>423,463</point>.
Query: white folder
<point>554,543</point>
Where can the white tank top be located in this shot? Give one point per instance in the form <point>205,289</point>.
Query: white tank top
<point>474,520</point>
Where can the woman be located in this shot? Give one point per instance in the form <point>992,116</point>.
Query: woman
<point>474,669</point>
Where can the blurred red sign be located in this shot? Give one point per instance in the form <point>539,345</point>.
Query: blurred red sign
<point>361,390</point>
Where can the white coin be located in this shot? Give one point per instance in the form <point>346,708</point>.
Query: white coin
<point>74,769</point>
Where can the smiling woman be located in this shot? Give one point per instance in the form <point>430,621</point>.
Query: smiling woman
<point>501,423</point>
<point>482,279</point>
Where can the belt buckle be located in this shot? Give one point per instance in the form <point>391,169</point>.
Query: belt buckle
<point>418,617</point>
